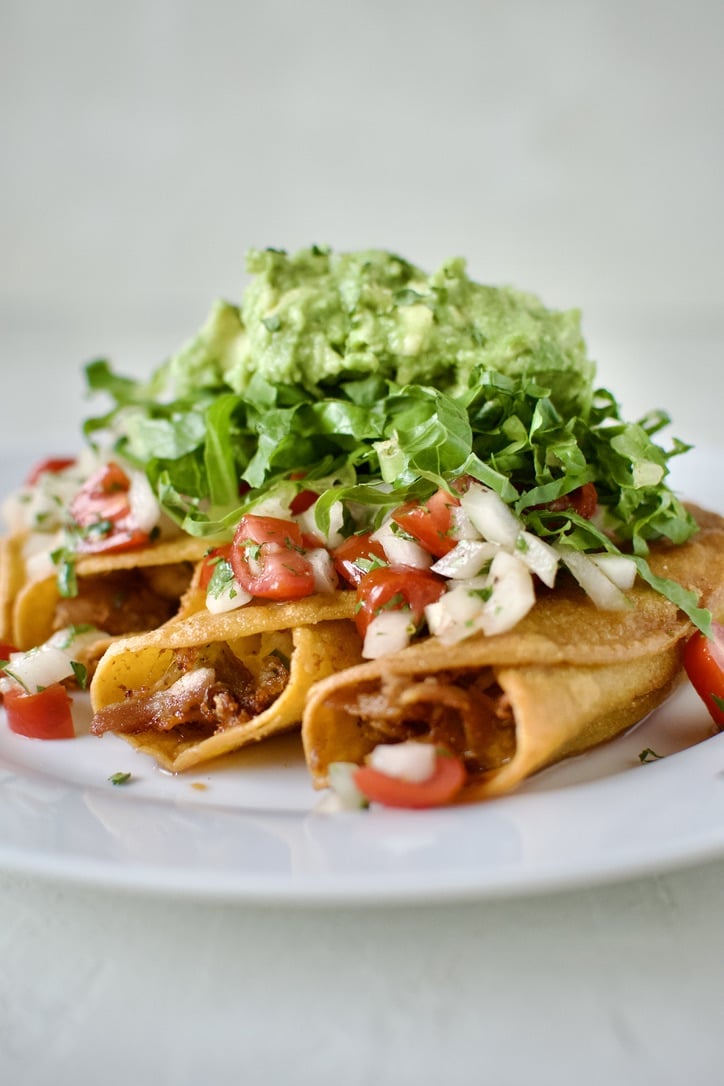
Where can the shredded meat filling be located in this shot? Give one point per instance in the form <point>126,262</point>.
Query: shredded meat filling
<point>125,601</point>
<point>205,687</point>
<point>465,711</point>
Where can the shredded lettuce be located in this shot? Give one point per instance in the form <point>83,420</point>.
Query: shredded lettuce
<point>211,452</point>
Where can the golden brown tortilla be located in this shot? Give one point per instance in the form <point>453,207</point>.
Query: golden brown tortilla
<point>122,593</point>
<point>315,634</point>
<point>11,579</point>
<point>567,677</point>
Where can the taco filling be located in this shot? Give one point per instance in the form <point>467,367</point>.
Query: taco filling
<point>206,689</point>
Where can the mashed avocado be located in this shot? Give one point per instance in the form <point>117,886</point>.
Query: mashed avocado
<point>314,317</point>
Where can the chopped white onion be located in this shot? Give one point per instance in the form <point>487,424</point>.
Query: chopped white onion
<point>388,632</point>
<point>619,568</point>
<point>52,661</point>
<point>144,506</point>
<point>491,604</point>
<point>539,557</point>
<point>399,550</point>
<point>467,558</point>
<point>39,566</point>
<point>490,515</point>
<point>73,640</point>
<point>512,597</point>
<point>276,504</point>
<point>341,780</point>
<point>231,596</point>
<point>461,526</point>
<point>456,615</point>
<point>408,761</point>
<point>39,667</point>
<point>325,575</point>
<point>594,582</point>
<point>308,523</point>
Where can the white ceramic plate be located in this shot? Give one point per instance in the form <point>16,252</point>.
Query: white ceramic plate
<point>251,829</point>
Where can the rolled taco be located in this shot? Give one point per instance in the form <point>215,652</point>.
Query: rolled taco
<point>88,545</point>
<point>567,677</point>
<point>210,684</point>
<point>119,593</point>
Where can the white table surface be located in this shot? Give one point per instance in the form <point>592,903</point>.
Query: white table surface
<point>574,149</point>
<point>615,985</point>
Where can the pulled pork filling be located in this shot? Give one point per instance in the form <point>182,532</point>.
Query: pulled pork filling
<point>465,711</point>
<point>125,601</point>
<point>206,688</point>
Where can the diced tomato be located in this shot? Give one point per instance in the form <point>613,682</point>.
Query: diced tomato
<point>430,522</point>
<point>356,552</point>
<point>6,650</point>
<point>52,465</point>
<point>210,561</point>
<point>311,542</point>
<point>302,501</point>
<point>704,663</point>
<point>391,588</point>
<point>583,500</point>
<point>101,510</point>
<point>45,715</point>
<point>446,781</point>
<point>268,560</point>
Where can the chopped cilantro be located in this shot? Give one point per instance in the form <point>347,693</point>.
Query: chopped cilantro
<point>120,778</point>
<point>221,579</point>
<point>281,657</point>
<point>368,564</point>
<point>64,561</point>
<point>81,673</point>
<point>649,755</point>
<point>74,631</point>
<point>393,603</point>
<point>252,550</point>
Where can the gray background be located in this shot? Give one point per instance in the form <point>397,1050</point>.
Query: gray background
<point>576,149</point>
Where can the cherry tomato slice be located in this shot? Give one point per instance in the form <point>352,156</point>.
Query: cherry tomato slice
<point>430,522</point>
<point>102,511</point>
<point>268,561</point>
<point>351,556</point>
<point>302,501</point>
<point>446,781</point>
<point>45,715</point>
<point>583,500</point>
<point>52,465</point>
<point>704,664</point>
<point>392,588</point>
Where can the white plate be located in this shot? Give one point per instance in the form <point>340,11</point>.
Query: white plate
<point>251,829</point>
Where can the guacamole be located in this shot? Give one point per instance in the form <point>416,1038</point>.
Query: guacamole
<point>316,317</point>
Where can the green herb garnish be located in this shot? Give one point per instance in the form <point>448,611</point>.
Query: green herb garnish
<point>649,755</point>
<point>81,673</point>
<point>120,778</point>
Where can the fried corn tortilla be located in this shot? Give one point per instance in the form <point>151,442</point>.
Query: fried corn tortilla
<point>124,593</point>
<point>210,684</point>
<point>568,677</point>
<point>11,581</point>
